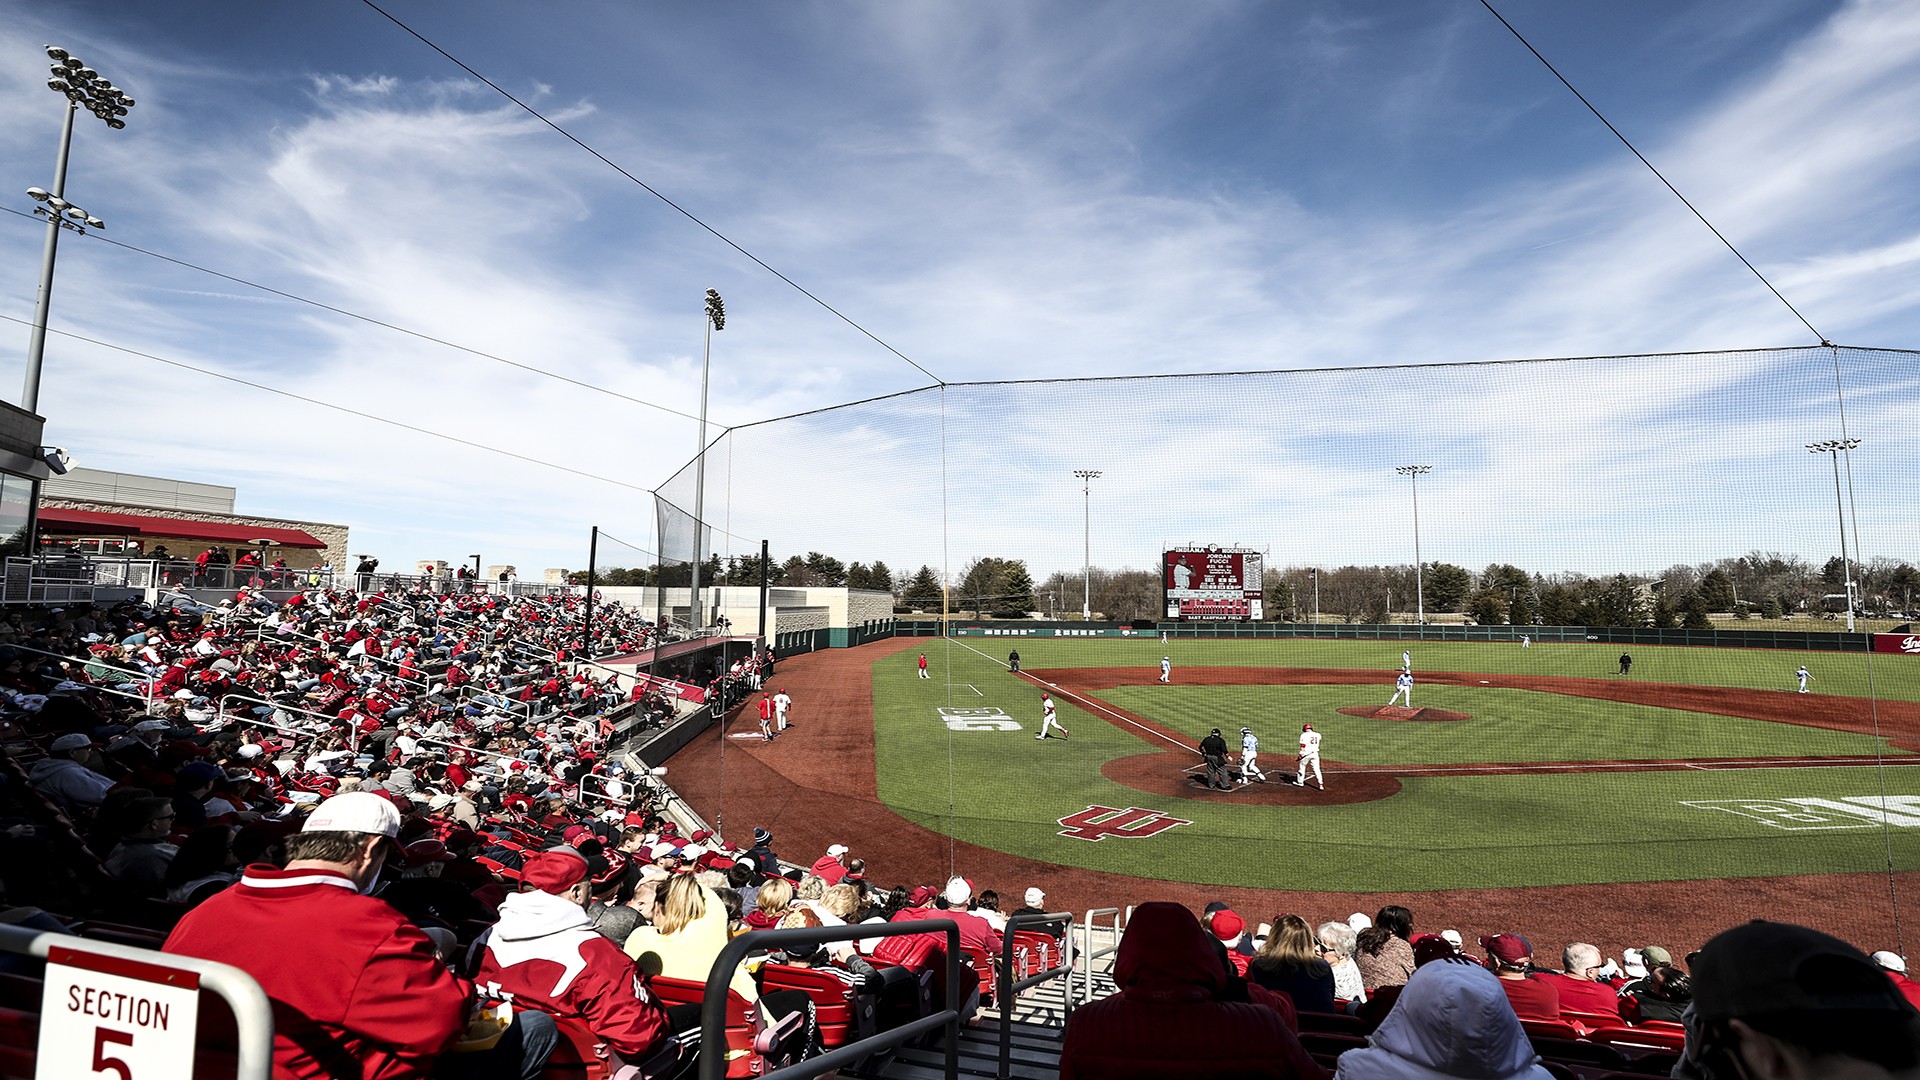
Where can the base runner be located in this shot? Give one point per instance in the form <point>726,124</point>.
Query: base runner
<point>1249,749</point>
<point>1048,720</point>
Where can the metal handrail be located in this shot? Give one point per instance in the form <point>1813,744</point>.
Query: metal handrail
<point>713,1003</point>
<point>144,677</point>
<point>252,1014</point>
<point>353,730</point>
<point>1006,987</point>
<point>1088,954</point>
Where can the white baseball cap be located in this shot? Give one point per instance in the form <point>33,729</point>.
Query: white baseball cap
<point>1890,961</point>
<point>1359,921</point>
<point>959,891</point>
<point>357,812</point>
<point>1452,938</point>
<point>836,850</point>
<point>1035,897</point>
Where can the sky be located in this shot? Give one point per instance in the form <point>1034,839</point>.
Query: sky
<point>990,191</point>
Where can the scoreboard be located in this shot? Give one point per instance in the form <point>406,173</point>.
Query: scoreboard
<point>1212,584</point>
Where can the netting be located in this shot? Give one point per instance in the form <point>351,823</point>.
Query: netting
<point>1565,496</point>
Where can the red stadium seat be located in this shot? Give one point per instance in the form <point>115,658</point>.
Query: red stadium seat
<point>838,1009</point>
<point>1552,1029</point>
<point>1584,1022</point>
<point>985,965</point>
<point>748,1038</point>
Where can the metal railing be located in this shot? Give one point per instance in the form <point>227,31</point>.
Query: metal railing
<point>1006,988</point>
<point>329,722</point>
<point>252,1014</point>
<point>1088,954</point>
<point>46,581</point>
<point>713,1004</point>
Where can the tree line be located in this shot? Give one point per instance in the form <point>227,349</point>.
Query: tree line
<point>811,569</point>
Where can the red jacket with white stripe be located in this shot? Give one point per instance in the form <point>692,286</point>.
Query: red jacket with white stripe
<point>544,954</point>
<point>356,989</point>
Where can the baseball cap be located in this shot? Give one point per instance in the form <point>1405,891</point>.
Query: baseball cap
<point>920,895</point>
<point>1632,964</point>
<point>1890,961</point>
<point>440,802</point>
<point>425,852</point>
<point>1509,947</point>
<point>1035,897</point>
<point>1227,924</point>
<point>355,811</point>
<point>959,890</point>
<point>1453,938</point>
<point>152,725</point>
<point>1246,731</point>
<point>1654,956</point>
<point>1770,967</point>
<point>555,870</point>
<point>1431,947</point>
<point>836,850</point>
<point>70,742</point>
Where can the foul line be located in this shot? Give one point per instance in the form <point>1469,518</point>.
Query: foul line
<point>1085,702</point>
<point>1652,765</point>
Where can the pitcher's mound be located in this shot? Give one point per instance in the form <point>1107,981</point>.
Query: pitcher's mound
<point>1397,712</point>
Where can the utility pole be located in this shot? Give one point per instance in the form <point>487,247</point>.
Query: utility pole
<point>1413,473</point>
<point>1087,477</point>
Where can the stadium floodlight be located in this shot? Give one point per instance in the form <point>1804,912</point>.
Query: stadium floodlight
<point>716,319</point>
<point>82,87</point>
<point>1413,473</point>
<point>1832,448</point>
<point>1087,477</point>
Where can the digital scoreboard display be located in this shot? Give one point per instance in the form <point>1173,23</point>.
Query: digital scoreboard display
<point>1213,584</point>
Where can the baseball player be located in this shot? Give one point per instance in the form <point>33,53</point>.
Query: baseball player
<point>1249,749</point>
<point>1804,676</point>
<point>766,716</point>
<point>1526,641</point>
<point>1310,758</point>
<point>1406,660</point>
<point>1403,688</point>
<point>1048,720</point>
<point>1166,669</point>
<point>923,666</point>
<point>781,703</point>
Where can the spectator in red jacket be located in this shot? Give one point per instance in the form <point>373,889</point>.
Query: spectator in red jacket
<point>1510,957</point>
<point>1896,968</point>
<point>1579,988</point>
<point>829,867</point>
<point>545,954</point>
<point>1169,1019</point>
<point>356,989</point>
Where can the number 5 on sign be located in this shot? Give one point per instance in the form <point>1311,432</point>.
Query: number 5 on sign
<point>104,1018</point>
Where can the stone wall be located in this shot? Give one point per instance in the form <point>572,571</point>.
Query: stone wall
<point>868,605</point>
<point>786,620</point>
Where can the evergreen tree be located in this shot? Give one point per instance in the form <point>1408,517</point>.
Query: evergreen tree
<point>923,591</point>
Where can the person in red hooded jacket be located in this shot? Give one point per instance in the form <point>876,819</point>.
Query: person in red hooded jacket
<point>544,954</point>
<point>1170,1018</point>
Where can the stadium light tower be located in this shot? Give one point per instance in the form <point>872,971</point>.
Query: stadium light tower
<point>1087,477</point>
<point>716,319</point>
<point>1832,448</point>
<point>1413,473</point>
<point>80,85</point>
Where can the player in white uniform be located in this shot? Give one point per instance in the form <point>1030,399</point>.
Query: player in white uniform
<point>1406,660</point>
<point>781,703</point>
<point>1048,720</point>
<point>1309,758</point>
<point>1804,676</point>
<point>1526,641</point>
<point>1403,687</point>
<point>1249,749</point>
<point>1166,669</point>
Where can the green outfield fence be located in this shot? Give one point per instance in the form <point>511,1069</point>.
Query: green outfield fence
<point>1808,640</point>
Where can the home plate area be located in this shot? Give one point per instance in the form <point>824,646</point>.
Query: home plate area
<point>1399,712</point>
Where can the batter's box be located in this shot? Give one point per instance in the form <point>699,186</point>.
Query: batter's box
<point>1785,814</point>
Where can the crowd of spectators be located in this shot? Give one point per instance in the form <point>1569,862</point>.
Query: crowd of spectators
<point>427,778</point>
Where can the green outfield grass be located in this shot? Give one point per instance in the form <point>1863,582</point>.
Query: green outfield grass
<point>1004,790</point>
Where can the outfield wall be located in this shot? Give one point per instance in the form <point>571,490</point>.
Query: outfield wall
<point>1805,640</point>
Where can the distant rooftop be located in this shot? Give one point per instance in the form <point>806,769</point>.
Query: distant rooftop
<point>132,489</point>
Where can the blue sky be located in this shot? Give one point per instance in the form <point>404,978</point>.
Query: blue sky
<point>997,190</point>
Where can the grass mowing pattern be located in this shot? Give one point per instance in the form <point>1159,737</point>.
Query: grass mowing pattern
<point>1009,790</point>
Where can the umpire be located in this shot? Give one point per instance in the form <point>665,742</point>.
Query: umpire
<point>1214,749</point>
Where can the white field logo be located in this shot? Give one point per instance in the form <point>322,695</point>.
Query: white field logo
<point>1807,814</point>
<point>978,720</point>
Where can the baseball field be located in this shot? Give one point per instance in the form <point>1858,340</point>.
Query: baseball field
<point>1533,780</point>
<point>1517,766</point>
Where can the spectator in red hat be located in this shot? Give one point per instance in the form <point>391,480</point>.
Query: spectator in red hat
<point>1510,957</point>
<point>1227,925</point>
<point>544,954</point>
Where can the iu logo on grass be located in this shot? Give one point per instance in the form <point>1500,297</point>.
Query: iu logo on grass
<point>1096,823</point>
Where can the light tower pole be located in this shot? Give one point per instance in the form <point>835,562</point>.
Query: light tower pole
<point>81,86</point>
<point>1832,448</point>
<point>716,319</point>
<point>1413,473</point>
<point>1087,477</point>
